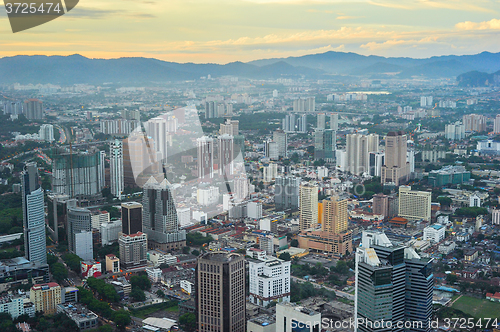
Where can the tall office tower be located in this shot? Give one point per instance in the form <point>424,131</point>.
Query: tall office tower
<point>133,250</point>
<point>210,108</point>
<point>286,193</point>
<point>77,174</point>
<point>229,127</point>
<point>289,123</point>
<point>271,150</point>
<point>396,169</point>
<point>426,101</point>
<point>325,144</point>
<point>46,132</point>
<point>156,128</point>
<point>116,167</point>
<point>376,163</point>
<point>205,157</point>
<point>308,206</point>
<point>226,155</point>
<point>454,131</point>
<point>474,122</point>
<point>79,220</point>
<point>335,216</point>
<point>394,286</point>
<point>321,121</point>
<point>33,109</point>
<point>140,160</point>
<point>358,148</point>
<point>84,246</point>
<point>413,204</point>
<point>334,121</point>
<point>269,280</point>
<point>241,188</point>
<point>159,217</point>
<point>101,170</point>
<point>46,297</point>
<point>496,125</point>
<point>220,292</point>
<point>302,123</point>
<point>270,173</point>
<point>131,115</point>
<point>33,215</point>
<point>131,218</point>
<point>280,137</point>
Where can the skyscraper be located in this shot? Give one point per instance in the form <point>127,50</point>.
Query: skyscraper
<point>286,193</point>
<point>46,132</point>
<point>334,121</point>
<point>226,155</point>
<point>220,292</point>
<point>321,121</point>
<point>230,127</point>
<point>159,217</point>
<point>413,204</point>
<point>116,167</point>
<point>156,128</point>
<point>33,215</point>
<point>205,157</point>
<point>396,169</point>
<point>271,150</point>
<point>454,131</point>
<point>79,221</point>
<point>302,124</point>
<point>394,286</point>
<point>280,137</point>
<point>358,148</point>
<point>335,215</point>
<point>33,109</point>
<point>289,123</point>
<point>133,250</point>
<point>269,280</point>
<point>131,217</point>
<point>308,206</point>
<point>496,125</point>
<point>210,109</point>
<point>325,144</point>
<point>474,122</point>
<point>140,160</point>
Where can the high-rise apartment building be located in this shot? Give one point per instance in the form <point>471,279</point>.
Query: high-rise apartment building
<point>269,280</point>
<point>280,137</point>
<point>116,167</point>
<point>413,204</point>
<point>394,286</point>
<point>304,104</point>
<point>286,193</point>
<point>205,146</point>
<point>159,217</point>
<point>271,150</point>
<point>140,160</point>
<point>270,173</point>
<point>156,128</point>
<point>496,125</point>
<point>325,144</point>
<point>358,148</point>
<point>230,127</point>
<point>210,109</point>
<point>226,155</point>
<point>396,168</point>
<point>474,122</point>
<point>454,131</point>
<point>33,109</point>
<point>118,126</point>
<point>133,250</point>
<point>289,123</point>
<point>46,132</point>
<point>46,297</point>
<point>33,215</point>
<point>376,163</point>
<point>220,292</point>
<point>79,221</point>
<point>426,101</point>
<point>302,124</point>
<point>321,121</point>
<point>334,121</point>
<point>335,215</point>
<point>131,217</point>
<point>308,206</point>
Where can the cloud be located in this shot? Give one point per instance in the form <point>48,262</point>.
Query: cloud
<point>493,24</point>
<point>345,17</point>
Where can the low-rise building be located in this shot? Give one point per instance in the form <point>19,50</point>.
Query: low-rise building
<point>289,315</point>
<point>471,255</point>
<point>83,317</point>
<point>154,274</point>
<point>447,247</point>
<point>157,258</point>
<point>434,233</point>
<point>14,306</point>
<point>112,264</point>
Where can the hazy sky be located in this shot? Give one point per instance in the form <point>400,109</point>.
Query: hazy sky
<point>222,31</point>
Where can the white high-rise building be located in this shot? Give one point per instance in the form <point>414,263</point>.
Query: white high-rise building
<point>205,157</point>
<point>254,210</point>
<point>454,131</point>
<point>46,132</point>
<point>302,123</point>
<point>156,128</point>
<point>474,122</point>
<point>321,118</point>
<point>426,101</point>
<point>33,215</point>
<point>308,206</point>
<point>289,123</point>
<point>116,167</point>
<point>84,246</point>
<point>280,137</point>
<point>270,173</point>
<point>414,205</point>
<point>434,233</point>
<point>495,217</point>
<point>226,155</point>
<point>358,148</point>
<point>271,150</point>
<point>496,125</point>
<point>269,280</point>
<point>109,231</point>
<point>208,196</point>
<point>334,121</point>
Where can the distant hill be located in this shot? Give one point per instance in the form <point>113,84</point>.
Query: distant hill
<point>478,79</point>
<point>78,69</point>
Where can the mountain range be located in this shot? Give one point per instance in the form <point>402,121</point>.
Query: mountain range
<point>78,69</point>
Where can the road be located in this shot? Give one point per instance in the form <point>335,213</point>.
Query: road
<point>316,285</point>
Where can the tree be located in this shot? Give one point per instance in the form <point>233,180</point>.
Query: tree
<point>160,293</point>
<point>188,321</point>
<point>121,318</point>
<point>285,256</point>
<point>141,282</point>
<point>342,267</point>
<point>294,243</point>
<point>195,253</point>
<point>59,272</point>
<point>451,278</point>
<point>186,250</point>
<point>138,294</point>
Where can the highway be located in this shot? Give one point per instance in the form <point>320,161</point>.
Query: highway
<point>337,292</point>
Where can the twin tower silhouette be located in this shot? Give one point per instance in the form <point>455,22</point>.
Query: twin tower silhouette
<point>26,14</point>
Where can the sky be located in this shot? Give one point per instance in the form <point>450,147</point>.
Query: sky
<point>222,31</point>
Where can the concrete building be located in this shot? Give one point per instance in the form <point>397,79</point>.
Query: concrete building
<point>474,122</point>
<point>46,297</point>
<point>98,218</point>
<point>281,138</point>
<point>321,121</point>
<point>396,168</point>
<point>414,205</point>
<point>220,292</point>
<point>109,232</point>
<point>208,196</point>
<point>269,280</point>
<point>496,125</point>
<point>308,206</point>
<point>140,162</point>
<point>325,144</point>
<point>133,250</point>
<point>116,167</point>
<point>84,247</point>
<point>454,132</point>
<point>289,123</point>
<point>226,155</point>
<point>46,132</point>
<point>358,148</point>
<point>271,150</point>
<point>448,175</point>
<point>78,313</point>
<point>434,233</point>
<point>79,220</point>
<point>495,217</point>
<point>33,109</point>
<point>334,121</point>
<point>112,264</point>
<point>205,150</point>
<point>33,215</point>
<point>131,217</point>
<point>254,210</point>
<point>12,305</point>
<point>290,316</point>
